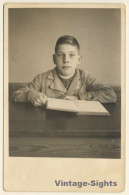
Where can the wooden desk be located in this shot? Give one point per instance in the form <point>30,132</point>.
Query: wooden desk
<point>35,132</point>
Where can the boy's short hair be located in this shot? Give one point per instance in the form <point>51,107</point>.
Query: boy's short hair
<point>67,39</point>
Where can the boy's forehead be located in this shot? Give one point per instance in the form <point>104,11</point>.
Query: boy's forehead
<point>67,47</point>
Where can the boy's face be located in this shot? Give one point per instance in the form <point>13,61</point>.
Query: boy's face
<point>66,59</point>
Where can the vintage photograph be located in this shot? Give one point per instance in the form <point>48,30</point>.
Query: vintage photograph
<point>64,68</point>
<point>64,97</point>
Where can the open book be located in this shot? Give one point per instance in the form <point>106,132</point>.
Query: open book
<point>81,107</point>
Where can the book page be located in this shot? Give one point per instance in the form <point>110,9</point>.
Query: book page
<point>90,107</point>
<point>59,104</point>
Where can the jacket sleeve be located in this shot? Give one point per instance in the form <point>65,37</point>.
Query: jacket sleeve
<point>20,95</point>
<point>95,91</point>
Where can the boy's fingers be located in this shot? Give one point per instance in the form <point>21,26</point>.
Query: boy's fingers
<point>45,97</point>
<point>38,100</point>
<point>35,103</point>
<point>43,100</point>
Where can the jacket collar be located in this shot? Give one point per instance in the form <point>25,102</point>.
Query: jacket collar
<point>56,84</point>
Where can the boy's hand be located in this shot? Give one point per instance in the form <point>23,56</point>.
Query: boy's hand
<point>36,98</point>
<point>70,97</point>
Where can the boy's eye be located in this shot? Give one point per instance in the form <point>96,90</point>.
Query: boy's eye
<point>59,55</point>
<point>71,55</point>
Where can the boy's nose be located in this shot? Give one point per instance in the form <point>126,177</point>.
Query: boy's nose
<point>66,59</point>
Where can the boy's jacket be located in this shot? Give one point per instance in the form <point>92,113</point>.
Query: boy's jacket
<point>83,86</point>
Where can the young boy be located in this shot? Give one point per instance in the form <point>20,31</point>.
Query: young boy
<point>66,80</point>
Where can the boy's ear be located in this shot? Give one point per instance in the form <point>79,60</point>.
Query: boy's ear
<point>54,58</point>
<point>79,59</point>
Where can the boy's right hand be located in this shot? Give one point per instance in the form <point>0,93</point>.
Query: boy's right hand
<point>36,98</point>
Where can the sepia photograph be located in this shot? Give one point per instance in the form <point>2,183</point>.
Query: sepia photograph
<point>73,55</point>
<point>64,78</point>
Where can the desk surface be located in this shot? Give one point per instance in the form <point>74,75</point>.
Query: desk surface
<point>35,131</point>
<point>27,120</point>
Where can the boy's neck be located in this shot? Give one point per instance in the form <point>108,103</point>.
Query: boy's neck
<point>66,77</point>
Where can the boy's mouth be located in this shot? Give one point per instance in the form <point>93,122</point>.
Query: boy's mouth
<point>66,67</point>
